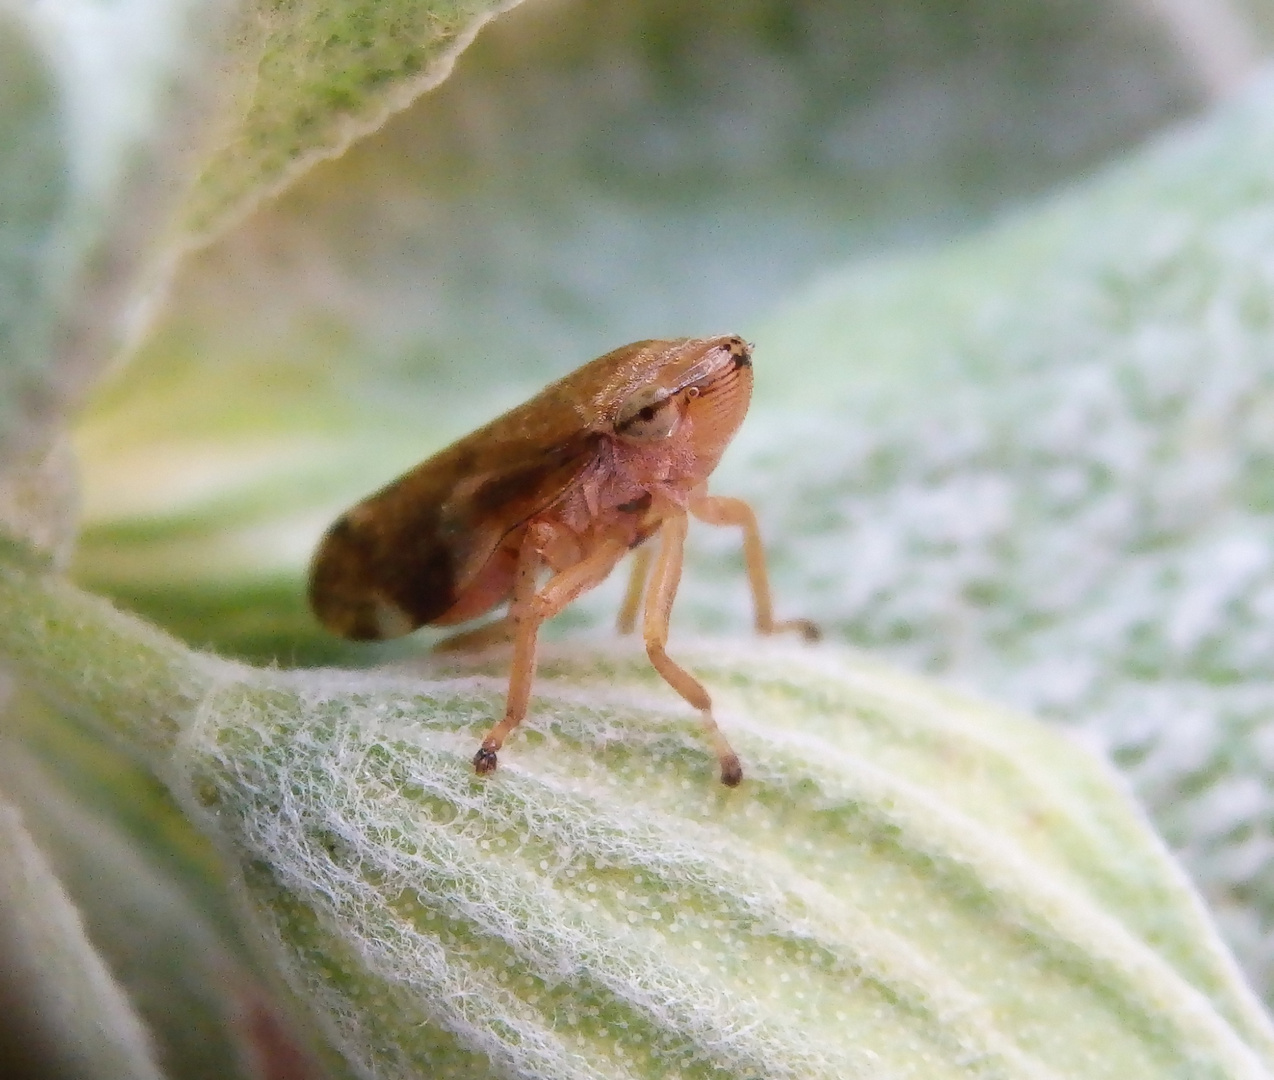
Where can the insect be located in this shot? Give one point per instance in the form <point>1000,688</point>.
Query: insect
<point>613,455</point>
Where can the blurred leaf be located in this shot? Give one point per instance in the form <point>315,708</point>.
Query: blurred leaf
<point>1055,485</point>
<point>33,193</point>
<point>309,78</point>
<point>64,1012</point>
<point>595,172</point>
<point>105,111</point>
<point>93,106</point>
<point>36,500</point>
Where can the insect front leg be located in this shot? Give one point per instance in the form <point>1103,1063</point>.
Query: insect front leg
<point>527,611</point>
<point>659,600</point>
<point>722,510</point>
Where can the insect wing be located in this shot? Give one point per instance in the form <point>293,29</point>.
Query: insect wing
<point>404,556</point>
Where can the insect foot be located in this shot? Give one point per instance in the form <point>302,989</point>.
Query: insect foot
<point>731,770</point>
<point>485,760</point>
<point>809,631</point>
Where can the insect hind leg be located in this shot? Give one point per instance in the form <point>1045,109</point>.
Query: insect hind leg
<point>723,510</point>
<point>659,600</point>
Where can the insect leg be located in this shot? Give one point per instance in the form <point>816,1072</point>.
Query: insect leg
<point>524,630</point>
<point>663,591</point>
<point>722,510</point>
<point>626,623</point>
<point>527,611</point>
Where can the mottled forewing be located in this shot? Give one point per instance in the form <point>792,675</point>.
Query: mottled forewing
<point>403,556</point>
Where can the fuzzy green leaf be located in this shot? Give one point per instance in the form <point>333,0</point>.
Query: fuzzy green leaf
<point>310,78</point>
<point>908,882</point>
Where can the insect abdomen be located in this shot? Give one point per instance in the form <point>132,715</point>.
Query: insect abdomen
<point>368,585</point>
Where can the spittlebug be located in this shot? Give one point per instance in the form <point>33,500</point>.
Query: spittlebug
<point>594,465</point>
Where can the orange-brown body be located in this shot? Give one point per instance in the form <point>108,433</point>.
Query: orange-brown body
<point>592,466</point>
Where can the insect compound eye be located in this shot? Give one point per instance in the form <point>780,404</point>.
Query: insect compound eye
<point>647,414</point>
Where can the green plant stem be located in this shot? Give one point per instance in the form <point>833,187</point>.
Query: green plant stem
<point>131,679</point>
